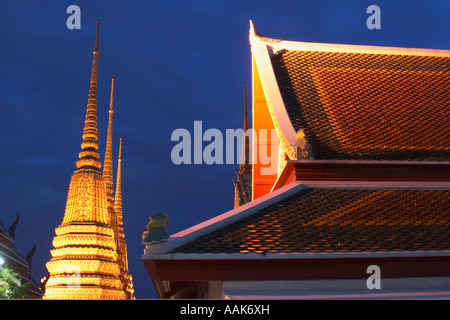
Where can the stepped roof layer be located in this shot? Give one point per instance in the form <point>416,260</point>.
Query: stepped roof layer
<point>314,220</point>
<point>368,106</point>
<point>359,102</point>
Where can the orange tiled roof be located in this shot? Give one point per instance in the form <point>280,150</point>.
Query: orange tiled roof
<point>368,106</point>
<point>338,220</point>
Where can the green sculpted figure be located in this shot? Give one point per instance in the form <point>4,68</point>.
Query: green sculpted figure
<point>156,228</point>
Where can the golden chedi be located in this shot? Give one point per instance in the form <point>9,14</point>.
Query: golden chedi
<point>87,259</point>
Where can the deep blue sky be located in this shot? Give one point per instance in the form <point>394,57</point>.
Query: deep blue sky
<point>174,62</point>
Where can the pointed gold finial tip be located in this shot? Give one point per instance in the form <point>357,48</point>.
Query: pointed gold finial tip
<point>111,101</point>
<point>97,36</point>
<point>120,149</point>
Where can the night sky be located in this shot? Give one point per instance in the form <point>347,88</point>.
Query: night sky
<point>174,62</point>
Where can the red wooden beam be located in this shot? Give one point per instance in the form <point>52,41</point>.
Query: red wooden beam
<point>355,170</point>
<point>295,269</point>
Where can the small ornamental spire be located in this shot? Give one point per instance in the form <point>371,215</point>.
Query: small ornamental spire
<point>89,156</point>
<point>97,36</point>
<point>108,162</point>
<point>12,228</point>
<point>246,127</point>
<point>118,194</point>
<point>243,184</point>
<point>122,247</point>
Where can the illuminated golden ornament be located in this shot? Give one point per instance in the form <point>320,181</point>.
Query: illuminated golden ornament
<point>114,203</point>
<point>122,247</point>
<point>86,259</point>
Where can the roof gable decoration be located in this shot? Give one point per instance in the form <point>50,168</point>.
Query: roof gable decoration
<point>262,49</point>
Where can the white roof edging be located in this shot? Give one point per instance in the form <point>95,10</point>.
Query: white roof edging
<point>260,51</point>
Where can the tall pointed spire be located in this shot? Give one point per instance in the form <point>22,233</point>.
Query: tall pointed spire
<point>108,171</point>
<point>118,193</point>
<point>108,162</point>
<point>125,275</point>
<point>85,259</point>
<point>89,156</point>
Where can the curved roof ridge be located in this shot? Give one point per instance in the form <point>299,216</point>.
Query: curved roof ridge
<point>255,33</point>
<point>283,44</point>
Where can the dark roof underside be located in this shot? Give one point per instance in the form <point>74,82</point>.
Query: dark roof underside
<point>357,106</point>
<point>338,220</point>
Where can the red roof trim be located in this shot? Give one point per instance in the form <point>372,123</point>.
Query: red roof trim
<point>355,170</point>
<point>175,271</point>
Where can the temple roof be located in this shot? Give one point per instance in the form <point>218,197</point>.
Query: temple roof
<point>358,102</point>
<point>375,187</point>
<point>16,261</point>
<point>323,217</point>
<point>374,117</point>
<point>343,219</point>
<point>8,249</point>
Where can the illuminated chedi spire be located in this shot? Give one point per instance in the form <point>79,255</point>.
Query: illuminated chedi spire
<point>84,261</point>
<point>122,247</point>
<point>243,184</point>
<point>115,202</point>
<point>89,156</point>
<point>118,194</point>
<point>108,171</point>
<point>108,163</point>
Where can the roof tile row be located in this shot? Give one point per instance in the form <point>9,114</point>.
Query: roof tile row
<point>368,106</point>
<point>338,220</point>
